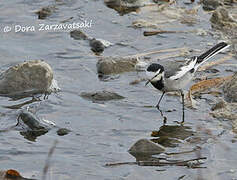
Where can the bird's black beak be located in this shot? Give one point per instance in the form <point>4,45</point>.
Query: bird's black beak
<point>148,81</point>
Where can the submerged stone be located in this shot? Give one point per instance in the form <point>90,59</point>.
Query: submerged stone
<point>63,131</point>
<point>170,135</point>
<point>210,5</point>
<point>78,35</point>
<point>96,45</point>
<point>125,6</point>
<point>45,12</point>
<point>115,65</point>
<point>147,147</point>
<point>34,127</point>
<point>32,121</point>
<point>101,96</point>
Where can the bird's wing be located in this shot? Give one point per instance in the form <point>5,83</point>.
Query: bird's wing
<point>176,73</point>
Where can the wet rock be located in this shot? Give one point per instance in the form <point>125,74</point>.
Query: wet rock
<point>147,147</point>
<point>230,89</point>
<point>124,3</point>
<point>115,65</point>
<point>30,77</point>
<point>78,35</point>
<point>225,111</point>
<point>107,78</point>
<point>170,136</point>
<point>125,6</point>
<point>45,12</point>
<point>96,45</point>
<point>34,127</point>
<point>63,131</point>
<point>101,96</point>
<point>210,5</point>
<point>32,121</point>
<point>167,14</point>
<point>221,18</point>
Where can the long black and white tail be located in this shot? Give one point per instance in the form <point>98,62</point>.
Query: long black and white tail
<point>211,52</point>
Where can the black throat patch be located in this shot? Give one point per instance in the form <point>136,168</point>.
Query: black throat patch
<point>159,84</point>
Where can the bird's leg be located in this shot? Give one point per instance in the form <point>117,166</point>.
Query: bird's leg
<point>182,94</point>
<point>158,107</point>
<point>158,104</point>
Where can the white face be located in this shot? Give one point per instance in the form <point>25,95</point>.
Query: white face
<point>154,76</point>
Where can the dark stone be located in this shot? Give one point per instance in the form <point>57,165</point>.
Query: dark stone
<point>35,127</point>
<point>212,70</point>
<point>31,121</point>
<point>124,6</point>
<point>101,96</point>
<point>78,35</point>
<point>63,131</point>
<point>96,46</point>
<point>210,5</point>
<point>45,12</point>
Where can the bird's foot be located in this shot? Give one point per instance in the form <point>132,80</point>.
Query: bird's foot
<point>161,113</point>
<point>164,120</point>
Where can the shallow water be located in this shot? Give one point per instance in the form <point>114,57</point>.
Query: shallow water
<point>103,132</point>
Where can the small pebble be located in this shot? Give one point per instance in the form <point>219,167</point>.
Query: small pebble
<point>63,131</point>
<point>96,46</point>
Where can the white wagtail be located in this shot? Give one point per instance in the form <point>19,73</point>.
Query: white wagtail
<point>176,76</point>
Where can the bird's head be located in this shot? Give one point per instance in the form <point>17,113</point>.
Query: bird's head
<point>154,72</point>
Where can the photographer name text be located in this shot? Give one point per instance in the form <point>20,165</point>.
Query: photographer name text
<point>48,27</point>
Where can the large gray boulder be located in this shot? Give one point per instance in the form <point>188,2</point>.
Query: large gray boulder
<point>34,76</point>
